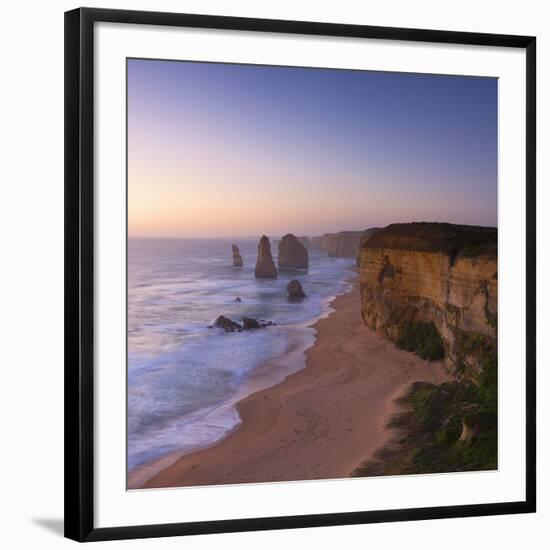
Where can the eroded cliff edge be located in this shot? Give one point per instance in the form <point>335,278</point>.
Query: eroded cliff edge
<point>415,274</point>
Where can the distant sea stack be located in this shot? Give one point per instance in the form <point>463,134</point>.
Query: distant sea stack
<point>265,267</point>
<point>237,258</point>
<point>434,279</point>
<point>292,253</point>
<point>304,240</point>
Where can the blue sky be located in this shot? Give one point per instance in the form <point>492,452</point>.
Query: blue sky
<point>223,149</point>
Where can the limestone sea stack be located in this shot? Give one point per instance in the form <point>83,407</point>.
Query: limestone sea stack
<point>295,290</point>
<point>292,253</point>
<point>237,258</point>
<point>265,267</point>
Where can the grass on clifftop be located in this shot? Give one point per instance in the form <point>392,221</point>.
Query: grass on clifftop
<point>423,339</point>
<point>430,429</point>
<point>447,238</point>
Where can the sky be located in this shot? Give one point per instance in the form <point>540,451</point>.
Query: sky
<point>226,150</point>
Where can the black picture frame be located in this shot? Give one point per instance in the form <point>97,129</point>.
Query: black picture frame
<point>79,273</point>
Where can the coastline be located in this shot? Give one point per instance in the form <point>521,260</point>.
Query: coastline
<point>319,422</point>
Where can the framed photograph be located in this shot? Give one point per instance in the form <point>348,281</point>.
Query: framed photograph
<point>300,274</point>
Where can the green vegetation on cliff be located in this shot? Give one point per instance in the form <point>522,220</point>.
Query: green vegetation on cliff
<point>450,427</point>
<point>451,239</point>
<point>423,339</point>
<point>470,345</point>
<point>445,276</point>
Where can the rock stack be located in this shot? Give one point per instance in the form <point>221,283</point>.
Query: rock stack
<point>249,323</point>
<point>292,253</point>
<point>237,258</point>
<point>295,290</point>
<point>265,267</point>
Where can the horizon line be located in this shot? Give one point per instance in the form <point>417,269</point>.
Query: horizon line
<point>259,235</point>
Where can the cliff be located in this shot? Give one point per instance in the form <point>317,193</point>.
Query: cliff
<point>344,244</point>
<point>365,236</point>
<point>292,253</point>
<point>417,276</point>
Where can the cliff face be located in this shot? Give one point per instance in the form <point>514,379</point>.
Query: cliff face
<point>365,236</point>
<point>292,253</point>
<point>344,244</point>
<point>440,273</point>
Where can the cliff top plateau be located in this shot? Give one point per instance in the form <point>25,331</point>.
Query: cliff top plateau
<point>445,238</point>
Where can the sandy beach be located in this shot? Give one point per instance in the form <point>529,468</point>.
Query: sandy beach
<point>320,422</point>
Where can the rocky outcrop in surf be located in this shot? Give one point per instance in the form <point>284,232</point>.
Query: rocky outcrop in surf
<point>249,323</point>
<point>237,258</point>
<point>292,253</point>
<point>227,324</point>
<point>433,286</point>
<point>295,290</point>
<point>265,267</point>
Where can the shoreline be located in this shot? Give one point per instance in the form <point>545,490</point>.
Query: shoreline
<point>320,422</point>
<point>269,373</point>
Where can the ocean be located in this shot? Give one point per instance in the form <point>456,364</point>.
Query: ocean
<point>185,378</point>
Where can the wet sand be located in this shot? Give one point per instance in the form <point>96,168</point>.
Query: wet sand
<point>320,422</point>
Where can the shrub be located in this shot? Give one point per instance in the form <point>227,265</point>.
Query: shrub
<point>423,339</point>
<point>450,432</point>
<point>429,427</point>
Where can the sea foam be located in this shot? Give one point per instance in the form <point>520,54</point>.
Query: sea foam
<point>184,378</point>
